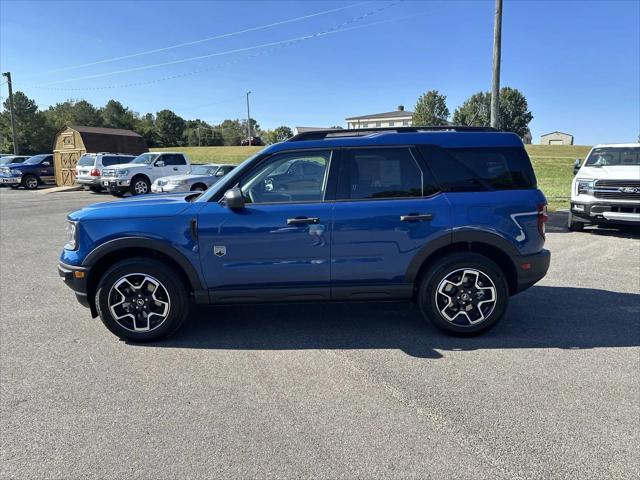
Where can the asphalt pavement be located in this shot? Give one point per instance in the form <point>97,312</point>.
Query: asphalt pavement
<point>320,391</point>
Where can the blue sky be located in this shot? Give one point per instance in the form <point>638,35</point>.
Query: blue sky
<point>578,63</point>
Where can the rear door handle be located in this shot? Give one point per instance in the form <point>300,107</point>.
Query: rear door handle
<point>302,220</point>
<point>416,217</point>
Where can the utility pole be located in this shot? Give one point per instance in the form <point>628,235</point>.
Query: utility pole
<point>248,121</point>
<point>13,114</point>
<point>198,135</point>
<point>495,87</point>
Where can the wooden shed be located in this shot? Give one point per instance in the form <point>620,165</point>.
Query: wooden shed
<point>73,141</point>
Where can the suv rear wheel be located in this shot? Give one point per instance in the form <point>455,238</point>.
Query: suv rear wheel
<point>140,186</point>
<point>141,300</point>
<point>463,294</point>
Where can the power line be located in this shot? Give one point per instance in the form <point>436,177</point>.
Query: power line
<point>208,39</point>
<point>288,42</point>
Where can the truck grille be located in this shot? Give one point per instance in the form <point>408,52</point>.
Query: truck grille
<point>617,189</point>
<point>108,172</point>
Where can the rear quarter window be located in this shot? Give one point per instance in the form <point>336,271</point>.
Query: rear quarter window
<point>480,169</point>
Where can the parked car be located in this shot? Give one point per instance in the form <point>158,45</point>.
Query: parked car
<point>90,165</point>
<point>199,179</point>
<point>30,173</point>
<point>295,174</point>
<point>606,188</point>
<point>253,141</point>
<point>7,159</point>
<point>452,220</point>
<point>138,175</point>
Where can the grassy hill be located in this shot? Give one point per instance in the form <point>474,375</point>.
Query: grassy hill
<point>553,164</point>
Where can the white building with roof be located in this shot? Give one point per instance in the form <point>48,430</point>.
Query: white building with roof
<point>397,118</point>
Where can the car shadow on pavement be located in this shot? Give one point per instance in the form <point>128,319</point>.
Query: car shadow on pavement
<point>557,223</point>
<point>542,317</point>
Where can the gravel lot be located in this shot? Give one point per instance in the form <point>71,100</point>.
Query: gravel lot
<point>320,391</point>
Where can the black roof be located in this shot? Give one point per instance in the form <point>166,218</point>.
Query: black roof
<point>360,132</point>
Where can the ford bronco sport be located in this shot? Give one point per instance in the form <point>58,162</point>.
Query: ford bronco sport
<point>450,218</point>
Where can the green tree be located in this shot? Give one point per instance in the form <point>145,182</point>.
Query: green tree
<point>34,134</point>
<point>73,112</point>
<point>232,132</point>
<point>146,126</point>
<point>115,115</point>
<point>279,134</point>
<point>513,111</point>
<point>169,128</point>
<point>431,109</point>
<point>475,111</point>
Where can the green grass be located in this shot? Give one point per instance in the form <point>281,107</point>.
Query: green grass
<point>214,154</point>
<point>553,165</point>
<point>554,169</point>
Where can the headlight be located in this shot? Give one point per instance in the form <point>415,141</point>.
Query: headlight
<point>584,186</point>
<point>122,173</point>
<point>177,182</point>
<point>71,236</point>
<point>15,173</point>
<point>4,170</point>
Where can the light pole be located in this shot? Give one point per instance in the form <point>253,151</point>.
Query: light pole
<point>248,121</point>
<point>13,115</point>
<point>495,86</point>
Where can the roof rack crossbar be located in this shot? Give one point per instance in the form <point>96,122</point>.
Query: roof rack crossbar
<point>359,132</point>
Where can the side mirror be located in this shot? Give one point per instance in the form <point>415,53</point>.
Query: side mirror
<point>46,164</point>
<point>159,163</point>
<point>576,166</point>
<point>233,199</point>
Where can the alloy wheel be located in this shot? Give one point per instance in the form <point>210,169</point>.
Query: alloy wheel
<point>31,183</point>
<point>139,302</point>
<point>140,187</point>
<point>466,297</point>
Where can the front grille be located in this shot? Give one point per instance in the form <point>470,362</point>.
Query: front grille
<point>108,172</point>
<point>162,182</point>
<point>617,189</point>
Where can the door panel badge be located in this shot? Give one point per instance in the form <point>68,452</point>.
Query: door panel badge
<point>219,250</point>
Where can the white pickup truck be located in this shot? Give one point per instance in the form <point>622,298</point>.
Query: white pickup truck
<point>606,187</point>
<point>137,175</point>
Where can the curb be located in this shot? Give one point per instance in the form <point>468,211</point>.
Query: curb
<point>71,188</point>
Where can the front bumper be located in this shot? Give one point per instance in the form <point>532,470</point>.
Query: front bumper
<point>606,212</point>
<point>531,269</point>
<point>76,279</point>
<point>116,183</point>
<point>169,188</point>
<point>7,180</point>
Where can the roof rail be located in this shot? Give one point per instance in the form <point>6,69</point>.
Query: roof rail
<point>360,132</point>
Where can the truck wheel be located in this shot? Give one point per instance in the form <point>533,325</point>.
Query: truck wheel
<point>141,300</point>
<point>573,225</point>
<point>140,186</point>
<point>30,182</point>
<point>95,189</point>
<point>463,294</point>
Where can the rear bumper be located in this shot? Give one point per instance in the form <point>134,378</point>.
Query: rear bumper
<point>606,213</point>
<point>76,279</point>
<point>89,181</point>
<point>531,269</point>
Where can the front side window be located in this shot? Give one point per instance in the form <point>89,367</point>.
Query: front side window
<point>37,159</point>
<point>373,173</point>
<point>288,177</point>
<point>146,158</point>
<point>174,159</point>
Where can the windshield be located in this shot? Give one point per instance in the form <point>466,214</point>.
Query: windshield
<point>87,160</point>
<point>145,158</point>
<point>613,156</point>
<point>203,170</point>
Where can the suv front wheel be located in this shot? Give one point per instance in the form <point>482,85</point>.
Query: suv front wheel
<point>141,300</point>
<point>463,294</point>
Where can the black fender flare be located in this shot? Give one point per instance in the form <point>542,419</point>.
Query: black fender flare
<point>149,244</point>
<point>459,236</point>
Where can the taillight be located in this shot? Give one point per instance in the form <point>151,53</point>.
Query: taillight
<point>543,216</point>
<point>95,172</point>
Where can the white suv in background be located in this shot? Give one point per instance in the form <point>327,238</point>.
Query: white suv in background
<point>138,175</point>
<point>606,188</point>
<point>90,165</point>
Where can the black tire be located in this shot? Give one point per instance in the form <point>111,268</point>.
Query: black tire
<point>198,187</point>
<point>171,290</point>
<point>95,189</point>
<point>15,187</point>
<point>140,185</point>
<point>574,226</point>
<point>30,182</point>
<point>117,193</point>
<point>452,267</point>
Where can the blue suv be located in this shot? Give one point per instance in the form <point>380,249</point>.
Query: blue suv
<point>449,218</point>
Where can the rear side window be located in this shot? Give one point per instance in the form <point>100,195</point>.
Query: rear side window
<point>480,169</point>
<point>109,160</point>
<point>372,173</point>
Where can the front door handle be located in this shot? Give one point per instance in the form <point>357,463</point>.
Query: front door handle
<point>416,217</point>
<point>302,220</point>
